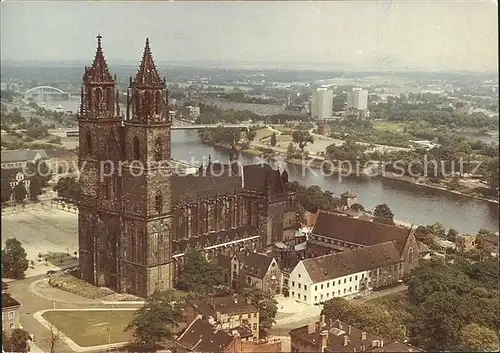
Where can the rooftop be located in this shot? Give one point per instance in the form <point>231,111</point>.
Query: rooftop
<point>201,336</point>
<point>8,302</point>
<point>13,156</point>
<point>359,231</point>
<point>229,305</point>
<point>347,262</point>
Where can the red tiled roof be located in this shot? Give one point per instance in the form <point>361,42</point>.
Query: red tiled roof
<point>359,231</point>
<point>255,264</point>
<point>8,302</point>
<point>231,305</point>
<point>201,336</point>
<point>347,262</point>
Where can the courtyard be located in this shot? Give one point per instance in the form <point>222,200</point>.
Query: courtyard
<point>89,328</point>
<point>42,229</point>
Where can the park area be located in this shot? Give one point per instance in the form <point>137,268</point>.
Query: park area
<point>92,327</point>
<point>43,230</point>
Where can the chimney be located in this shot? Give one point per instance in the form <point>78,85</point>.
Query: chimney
<point>349,329</point>
<point>381,343</point>
<point>363,336</point>
<point>324,339</point>
<point>311,328</point>
<point>346,340</point>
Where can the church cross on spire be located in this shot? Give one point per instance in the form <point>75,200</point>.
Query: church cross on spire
<point>98,72</point>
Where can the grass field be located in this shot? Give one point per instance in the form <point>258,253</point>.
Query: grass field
<point>90,328</point>
<point>262,134</point>
<point>389,126</point>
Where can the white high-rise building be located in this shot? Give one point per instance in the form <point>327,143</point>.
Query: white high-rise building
<point>321,103</point>
<point>357,99</point>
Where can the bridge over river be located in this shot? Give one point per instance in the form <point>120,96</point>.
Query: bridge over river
<point>244,126</point>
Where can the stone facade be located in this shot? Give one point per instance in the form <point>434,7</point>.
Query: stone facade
<point>137,217</point>
<point>249,269</point>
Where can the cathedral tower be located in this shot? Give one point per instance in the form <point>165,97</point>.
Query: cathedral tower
<point>146,216</point>
<point>99,194</point>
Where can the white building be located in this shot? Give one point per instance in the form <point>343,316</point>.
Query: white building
<point>357,99</point>
<point>322,103</point>
<point>316,280</point>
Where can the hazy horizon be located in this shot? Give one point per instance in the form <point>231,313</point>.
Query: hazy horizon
<point>350,36</point>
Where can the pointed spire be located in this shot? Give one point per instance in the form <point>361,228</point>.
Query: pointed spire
<point>147,75</point>
<point>98,72</point>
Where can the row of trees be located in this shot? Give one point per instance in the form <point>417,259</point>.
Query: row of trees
<point>160,316</point>
<point>313,198</point>
<point>447,307</point>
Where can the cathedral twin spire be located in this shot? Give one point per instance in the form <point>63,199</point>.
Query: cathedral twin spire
<point>147,76</point>
<point>98,73</point>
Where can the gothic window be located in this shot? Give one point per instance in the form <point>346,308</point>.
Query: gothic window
<point>137,153</point>
<point>137,103</point>
<point>109,100</point>
<point>89,142</point>
<point>158,149</point>
<point>146,102</point>
<point>158,102</point>
<point>158,202</point>
<point>410,256</point>
<point>165,241</point>
<point>202,216</point>
<point>155,249</point>
<point>211,217</point>
<point>98,99</point>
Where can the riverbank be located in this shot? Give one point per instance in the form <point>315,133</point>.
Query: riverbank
<point>316,163</point>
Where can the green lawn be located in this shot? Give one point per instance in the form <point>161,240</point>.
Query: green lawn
<point>90,328</point>
<point>389,126</point>
<point>262,134</point>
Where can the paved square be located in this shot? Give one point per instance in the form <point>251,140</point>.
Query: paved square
<point>42,230</point>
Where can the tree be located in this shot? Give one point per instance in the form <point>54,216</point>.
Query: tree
<point>20,192</point>
<point>452,235</point>
<point>267,305</point>
<point>14,259</point>
<point>53,339</point>
<point>156,319</point>
<point>6,190</point>
<point>35,188</point>
<point>67,188</point>
<point>302,138</point>
<point>439,319</point>
<point>198,275</point>
<point>476,338</point>
<point>357,207</point>
<point>18,341</point>
<point>273,139</point>
<point>383,214</point>
<point>337,309</point>
<point>290,151</point>
<point>251,133</point>
<point>40,169</point>
<point>377,320</point>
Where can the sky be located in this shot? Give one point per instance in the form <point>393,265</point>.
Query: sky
<point>353,35</point>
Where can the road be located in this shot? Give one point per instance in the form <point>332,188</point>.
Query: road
<point>22,291</point>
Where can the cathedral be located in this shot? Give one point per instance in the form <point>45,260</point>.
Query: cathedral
<point>137,218</point>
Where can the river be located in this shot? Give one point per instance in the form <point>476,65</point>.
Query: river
<point>410,203</point>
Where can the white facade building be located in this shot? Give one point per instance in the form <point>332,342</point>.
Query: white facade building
<point>322,103</point>
<point>342,274</point>
<point>304,290</point>
<point>357,99</point>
